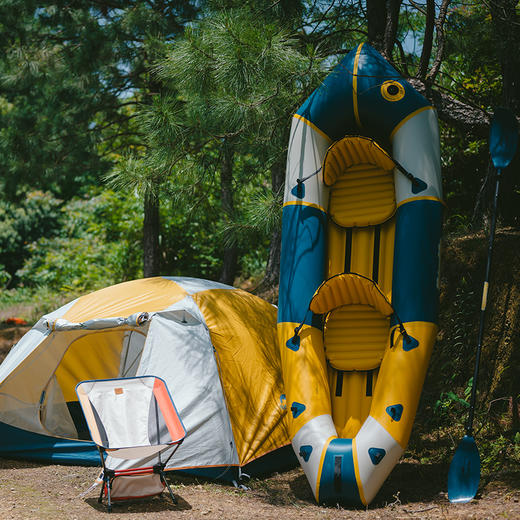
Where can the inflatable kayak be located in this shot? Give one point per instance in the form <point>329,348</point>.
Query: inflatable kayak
<point>358,297</point>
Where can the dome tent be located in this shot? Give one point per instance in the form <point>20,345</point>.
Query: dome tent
<point>215,347</point>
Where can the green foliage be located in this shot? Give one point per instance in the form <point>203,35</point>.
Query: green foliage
<point>69,73</point>
<point>226,91</point>
<point>30,303</point>
<point>499,452</point>
<point>36,216</point>
<point>450,407</point>
<point>194,232</point>
<point>240,74</point>
<point>471,67</point>
<point>99,244</point>
<point>4,276</point>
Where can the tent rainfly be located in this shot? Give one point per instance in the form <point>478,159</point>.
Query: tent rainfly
<point>213,345</point>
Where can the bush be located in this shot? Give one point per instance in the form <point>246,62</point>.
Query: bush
<point>37,215</point>
<point>98,244</point>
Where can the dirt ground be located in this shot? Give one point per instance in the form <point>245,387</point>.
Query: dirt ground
<point>413,491</point>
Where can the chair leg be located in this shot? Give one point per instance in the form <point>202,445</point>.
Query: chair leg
<point>165,482</point>
<point>109,501</point>
<point>107,484</point>
<point>100,499</point>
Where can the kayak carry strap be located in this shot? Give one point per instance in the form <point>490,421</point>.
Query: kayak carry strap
<point>406,337</point>
<point>418,185</point>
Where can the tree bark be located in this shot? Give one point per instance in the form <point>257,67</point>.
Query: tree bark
<point>151,230</point>
<point>441,42</point>
<point>392,23</point>
<point>376,23</point>
<point>428,40</point>
<point>272,270</point>
<point>229,253</point>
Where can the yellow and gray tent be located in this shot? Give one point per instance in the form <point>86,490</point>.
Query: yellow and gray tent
<point>213,345</point>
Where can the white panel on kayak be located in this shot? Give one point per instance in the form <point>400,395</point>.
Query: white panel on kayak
<point>307,148</point>
<point>415,146</point>
<point>315,434</point>
<point>377,454</point>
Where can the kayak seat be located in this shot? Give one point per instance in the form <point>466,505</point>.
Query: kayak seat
<point>361,200</point>
<point>357,321</point>
<point>360,174</point>
<point>355,337</point>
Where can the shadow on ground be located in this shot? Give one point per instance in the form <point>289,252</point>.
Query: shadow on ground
<point>408,483</point>
<point>146,505</point>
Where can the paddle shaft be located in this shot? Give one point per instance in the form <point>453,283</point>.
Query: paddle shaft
<point>485,289</point>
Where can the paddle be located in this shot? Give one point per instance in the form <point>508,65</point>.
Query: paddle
<point>464,473</point>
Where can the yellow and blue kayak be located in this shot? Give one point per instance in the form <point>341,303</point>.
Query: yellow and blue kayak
<point>358,304</point>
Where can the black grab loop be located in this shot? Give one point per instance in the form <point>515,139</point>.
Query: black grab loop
<point>299,190</point>
<point>293,342</point>
<point>403,333</point>
<point>409,343</point>
<point>418,185</point>
<point>309,176</point>
<point>296,337</point>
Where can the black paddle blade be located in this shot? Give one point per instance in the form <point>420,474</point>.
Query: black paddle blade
<point>503,137</point>
<point>464,474</point>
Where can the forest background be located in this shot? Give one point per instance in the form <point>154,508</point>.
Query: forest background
<point>146,137</point>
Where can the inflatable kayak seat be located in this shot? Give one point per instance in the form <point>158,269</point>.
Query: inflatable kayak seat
<point>357,321</point>
<point>361,176</point>
<point>355,337</point>
<point>131,418</point>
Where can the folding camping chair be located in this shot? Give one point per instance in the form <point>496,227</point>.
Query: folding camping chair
<point>131,418</point>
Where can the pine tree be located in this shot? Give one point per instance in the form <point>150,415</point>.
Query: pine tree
<point>240,76</point>
<point>72,75</point>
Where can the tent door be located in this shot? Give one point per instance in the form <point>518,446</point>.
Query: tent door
<point>55,416</point>
<point>100,354</point>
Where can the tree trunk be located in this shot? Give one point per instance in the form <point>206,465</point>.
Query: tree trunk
<point>151,230</point>
<point>272,269</point>
<point>392,24</point>
<point>376,22</point>
<point>229,253</point>
<point>428,40</point>
<point>507,38</point>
